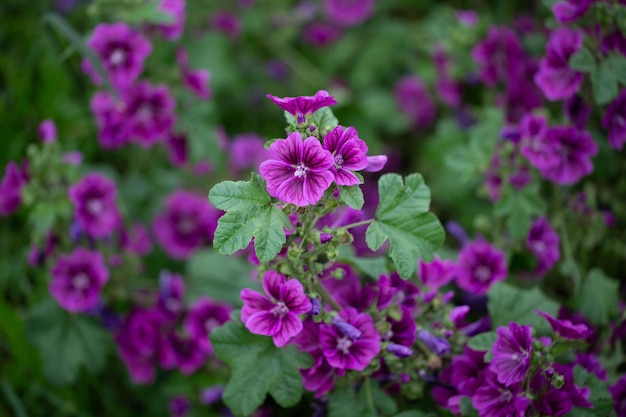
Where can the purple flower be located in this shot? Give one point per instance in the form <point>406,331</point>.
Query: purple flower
<point>171,295</point>
<point>177,149</point>
<point>186,353</point>
<point>402,331</point>
<point>375,163</point>
<point>197,81</point>
<point>211,395</point>
<point>344,353</point>
<point>304,105</point>
<point>348,291</point>
<point>468,371</point>
<point>11,189</point>
<point>613,41</point>
<point>543,242</point>
<point>113,126</point>
<point>574,150</point>
<point>511,353</point>
<point>94,205</point>
<point>540,152</point>
<point>349,12</point>
<point>565,328</point>
<point>467,18</point>
<point>78,279</point>
<point>349,153</point>
<point>247,152</point>
<point>400,351</point>
<point>614,121</point>
<point>320,34</point>
<point>122,51</point>
<point>149,111</point>
<point>554,402</point>
<point>591,363</point>
<point>179,406</point>
<point>203,317</point>
<point>176,9</point>
<point>226,22</point>
<point>438,345</point>
<point>136,239</point>
<point>555,78</point>
<point>577,111</point>
<point>479,266</point>
<point>570,10</point>
<point>47,131</point>
<point>437,273</point>
<point>414,101</point>
<point>276,316</point>
<point>618,391</point>
<point>37,256</point>
<point>187,223</point>
<point>500,57</point>
<point>493,399</point>
<point>299,172</point>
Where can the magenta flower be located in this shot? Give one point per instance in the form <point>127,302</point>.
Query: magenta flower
<point>176,9</point>
<point>566,329</point>
<point>320,34</point>
<point>112,122</point>
<point>247,152</point>
<point>438,345</point>
<point>136,239</point>
<point>171,295</point>
<point>203,317</point>
<point>187,223</point>
<point>276,316</point>
<point>341,351</point>
<point>414,101</point>
<point>500,57</point>
<point>479,266</point>
<point>493,399</point>
<point>437,273</point>
<point>539,151</point>
<point>554,402</point>
<point>149,111</point>
<point>543,242</point>
<point>78,279</point>
<point>186,353</point>
<point>303,105</point>
<point>349,153</point>
<point>122,51</point>
<point>618,392</point>
<point>349,12</point>
<point>226,22</point>
<point>197,81</point>
<point>47,131</point>
<point>299,171</point>
<point>179,406</point>
<point>555,78</point>
<point>468,371</point>
<point>574,149</point>
<point>94,205</point>
<point>511,353</point>
<point>11,189</point>
<point>614,121</point>
<point>569,10</point>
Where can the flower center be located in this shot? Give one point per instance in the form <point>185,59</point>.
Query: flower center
<point>339,160</point>
<point>145,113</point>
<point>80,281</point>
<point>94,206</point>
<point>300,171</point>
<point>186,225</point>
<point>506,396</point>
<point>344,344</point>
<point>280,310</point>
<point>539,246</point>
<point>210,324</point>
<point>172,304</point>
<point>117,57</point>
<point>482,273</point>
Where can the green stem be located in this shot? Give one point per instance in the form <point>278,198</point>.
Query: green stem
<point>368,394</point>
<point>326,295</point>
<point>357,224</point>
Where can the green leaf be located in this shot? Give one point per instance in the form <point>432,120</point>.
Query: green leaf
<point>617,65</point>
<point>382,401</point>
<point>352,196</point>
<point>604,83</point>
<point>249,214</point>
<point>348,403</point>
<point>519,207</point>
<point>402,217</point>
<point>600,395</point>
<point>218,277</point>
<point>140,13</point>
<point>67,342</point>
<point>269,234</point>
<point>413,413</point>
<point>325,120</point>
<point>483,342</point>
<point>258,368</point>
<point>240,195</point>
<point>466,407</point>
<point>583,60</point>
<point>508,304</point>
<point>597,298</point>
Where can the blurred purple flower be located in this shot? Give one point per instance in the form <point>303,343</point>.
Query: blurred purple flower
<point>349,12</point>
<point>437,273</point>
<point>203,317</point>
<point>247,152</point>
<point>614,121</point>
<point>78,279</point>
<point>149,110</point>
<point>438,345</point>
<point>493,399</point>
<point>179,406</point>
<point>574,150</point>
<point>187,223</point>
<point>479,266</point>
<point>555,77</point>
<point>414,101</point>
<point>500,57</point>
<point>197,81</point>
<point>94,203</point>
<point>543,242</point>
<point>176,9</point>
<point>618,391</point>
<point>320,34</point>
<point>569,10</point>
<point>138,342</point>
<point>47,131</point>
<point>566,329</point>
<point>11,189</point>
<point>226,22</point>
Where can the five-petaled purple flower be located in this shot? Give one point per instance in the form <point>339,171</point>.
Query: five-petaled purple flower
<point>349,153</point>
<point>122,51</point>
<point>341,351</point>
<point>94,205</point>
<point>276,316</point>
<point>78,279</point>
<point>299,171</point>
<point>511,353</point>
<point>566,329</point>
<point>574,150</point>
<point>555,77</point>
<point>569,10</point>
<point>543,242</point>
<point>11,188</point>
<point>414,101</point>
<point>479,266</point>
<point>203,317</point>
<point>303,105</point>
<point>176,9</point>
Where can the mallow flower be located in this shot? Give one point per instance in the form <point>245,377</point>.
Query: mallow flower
<point>94,205</point>
<point>349,153</point>
<point>614,121</point>
<point>555,77</point>
<point>298,171</point>
<point>574,150</point>
<point>511,353</point>
<point>479,266</point>
<point>276,315</point>
<point>303,105</point>
<point>349,12</point>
